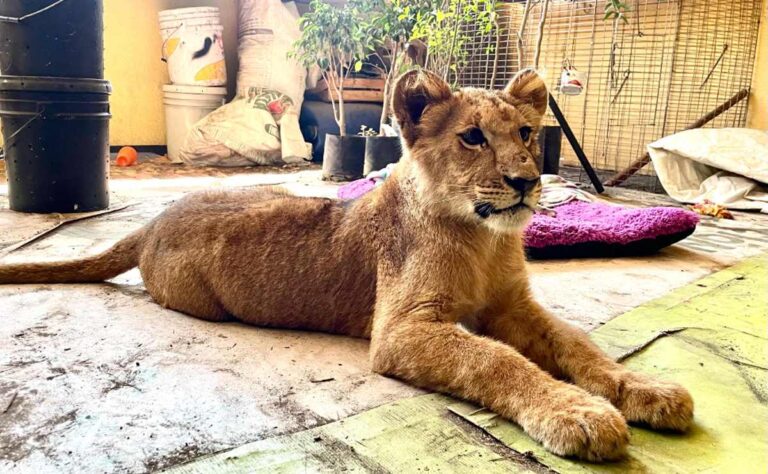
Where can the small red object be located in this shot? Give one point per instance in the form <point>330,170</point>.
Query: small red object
<point>275,107</point>
<point>127,156</point>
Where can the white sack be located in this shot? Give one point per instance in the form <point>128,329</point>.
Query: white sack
<point>262,129</point>
<point>261,126</point>
<point>726,166</point>
<point>268,29</point>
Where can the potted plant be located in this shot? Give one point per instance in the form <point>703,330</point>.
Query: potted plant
<point>388,27</point>
<point>376,156</point>
<point>442,25</point>
<point>332,39</point>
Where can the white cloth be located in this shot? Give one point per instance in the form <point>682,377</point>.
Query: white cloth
<point>726,166</point>
<point>556,191</point>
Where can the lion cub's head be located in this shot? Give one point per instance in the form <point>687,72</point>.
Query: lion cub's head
<point>475,151</point>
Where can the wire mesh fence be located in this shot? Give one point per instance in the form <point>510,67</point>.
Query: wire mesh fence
<point>670,63</point>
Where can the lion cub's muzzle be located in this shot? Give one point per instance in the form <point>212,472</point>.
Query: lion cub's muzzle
<point>526,193</point>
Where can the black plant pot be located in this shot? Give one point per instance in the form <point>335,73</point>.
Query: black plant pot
<point>343,157</point>
<point>381,151</point>
<point>550,137</point>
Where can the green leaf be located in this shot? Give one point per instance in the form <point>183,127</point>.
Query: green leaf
<point>358,66</point>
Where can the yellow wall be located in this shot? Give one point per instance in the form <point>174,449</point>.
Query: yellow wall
<point>132,63</point>
<point>758,101</point>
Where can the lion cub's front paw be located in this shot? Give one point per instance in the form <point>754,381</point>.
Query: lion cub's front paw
<point>573,423</point>
<point>660,404</point>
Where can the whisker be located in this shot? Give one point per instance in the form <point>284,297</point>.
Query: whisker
<point>490,189</point>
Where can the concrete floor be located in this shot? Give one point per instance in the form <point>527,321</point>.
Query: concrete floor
<point>97,378</point>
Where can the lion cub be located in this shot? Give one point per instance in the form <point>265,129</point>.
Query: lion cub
<point>439,243</point>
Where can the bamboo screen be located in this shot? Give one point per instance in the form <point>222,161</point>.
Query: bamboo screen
<point>671,63</point>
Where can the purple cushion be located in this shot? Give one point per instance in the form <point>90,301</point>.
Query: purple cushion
<point>356,189</point>
<point>580,222</point>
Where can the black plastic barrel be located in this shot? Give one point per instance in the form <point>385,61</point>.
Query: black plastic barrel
<point>52,38</point>
<point>56,141</point>
<point>550,137</point>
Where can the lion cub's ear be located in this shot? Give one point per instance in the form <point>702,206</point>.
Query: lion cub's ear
<point>527,90</point>
<point>414,92</point>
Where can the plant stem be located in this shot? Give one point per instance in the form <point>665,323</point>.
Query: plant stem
<point>344,76</point>
<point>496,47</point>
<point>384,105</point>
<point>342,115</point>
<point>331,88</point>
<point>543,20</point>
<point>336,84</point>
<point>453,42</point>
<point>387,87</point>
<point>520,34</point>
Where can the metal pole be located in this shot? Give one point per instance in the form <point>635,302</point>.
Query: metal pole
<point>575,145</point>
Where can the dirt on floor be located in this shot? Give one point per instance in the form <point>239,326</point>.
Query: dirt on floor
<point>153,166</point>
<point>102,369</point>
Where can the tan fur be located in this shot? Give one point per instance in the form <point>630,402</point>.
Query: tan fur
<point>404,265</point>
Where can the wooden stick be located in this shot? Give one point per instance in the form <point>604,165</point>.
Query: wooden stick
<point>60,224</point>
<point>637,165</point>
<point>712,70</point>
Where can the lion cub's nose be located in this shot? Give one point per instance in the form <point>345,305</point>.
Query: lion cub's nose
<point>521,185</point>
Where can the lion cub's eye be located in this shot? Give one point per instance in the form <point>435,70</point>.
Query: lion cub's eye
<point>525,133</point>
<point>473,138</point>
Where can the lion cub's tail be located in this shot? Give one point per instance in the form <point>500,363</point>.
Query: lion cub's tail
<point>123,256</point>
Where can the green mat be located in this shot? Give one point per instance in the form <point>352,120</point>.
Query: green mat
<point>709,336</point>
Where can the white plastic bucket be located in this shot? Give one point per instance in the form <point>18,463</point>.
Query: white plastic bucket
<point>193,46</point>
<point>184,107</point>
<point>189,13</point>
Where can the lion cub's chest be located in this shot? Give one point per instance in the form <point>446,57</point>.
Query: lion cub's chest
<point>485,274</point>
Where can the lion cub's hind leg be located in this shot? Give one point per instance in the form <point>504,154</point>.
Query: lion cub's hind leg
<point>179,287</point>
